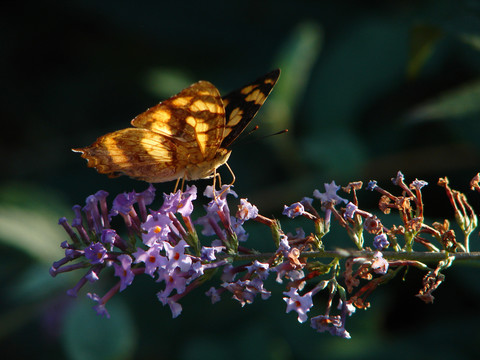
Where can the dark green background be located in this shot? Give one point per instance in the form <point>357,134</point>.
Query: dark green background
<point>367,89</point>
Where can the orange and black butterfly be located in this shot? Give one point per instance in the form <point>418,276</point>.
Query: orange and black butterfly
<point>184,137</point>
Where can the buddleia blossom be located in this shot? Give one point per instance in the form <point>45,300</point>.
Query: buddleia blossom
<point>96,253</point>
<point>100,307</point>
<point>152,259</point>
<point>175,307</point>
<point>217,218</point>
<point>180,202</point>
<point>214,294</point>
<point>418,184</point>
<point>219,221</point>
<point>208,252</point>
<point>123,271</point>
<point>350,210</point>
<point>246,211</point>
<point>380,242</point>
<point>259,269</point>
<point>177,257</point>
<point>330,323</point>
<point>293,210</point>
<point>284,246</point>
<point>372,184</point>
<point>299,303</point>
<point>330,194</point>
<point>379,265</point>
<point>334,324</point>
<point>156,228</point>
<point>245,291</point>
<point>291,267</point>
<point>252,284</point>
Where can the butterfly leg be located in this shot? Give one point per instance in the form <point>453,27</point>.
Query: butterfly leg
<point>183,183</point>
<point>215,175</point>
<point>231,172</point>
<point>176,185</point>
<point>229,185</point>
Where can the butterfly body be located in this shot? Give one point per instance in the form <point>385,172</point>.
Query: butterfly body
<point>185,136</point>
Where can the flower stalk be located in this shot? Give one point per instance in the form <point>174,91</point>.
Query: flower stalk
<point>182,253</point>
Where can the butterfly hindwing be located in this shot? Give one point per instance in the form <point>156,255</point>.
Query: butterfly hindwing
<point>138,153</point>
<point>242,105</point>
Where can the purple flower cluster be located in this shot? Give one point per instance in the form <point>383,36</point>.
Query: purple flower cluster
<point>93,241</point>
<point>169,250</point>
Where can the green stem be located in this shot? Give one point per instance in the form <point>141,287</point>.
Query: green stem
<point>390,255</point>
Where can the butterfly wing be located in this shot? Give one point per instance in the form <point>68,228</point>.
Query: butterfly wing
<point>194,116</point>
<point>138,153</point>
<point>243,104</point>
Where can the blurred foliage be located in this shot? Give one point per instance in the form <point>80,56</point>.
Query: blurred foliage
<point>40,207</point>
<point>87,336</point>
<point>424,39</point>
<point>458,103</point>
<point>367,88</point>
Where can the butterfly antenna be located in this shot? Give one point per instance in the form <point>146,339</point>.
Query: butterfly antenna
<point>284,131</point>
<point>266,136</point>
<point>252,130</point>
<point>243,140</point>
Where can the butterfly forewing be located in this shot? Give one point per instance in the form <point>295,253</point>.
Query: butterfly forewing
<point>196,114</point>
<point>243,104</point>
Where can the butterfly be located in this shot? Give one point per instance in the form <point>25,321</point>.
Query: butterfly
<point>184,137</point>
